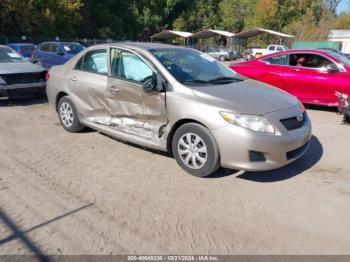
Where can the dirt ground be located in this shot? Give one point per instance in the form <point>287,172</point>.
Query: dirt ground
<point>86,193</point>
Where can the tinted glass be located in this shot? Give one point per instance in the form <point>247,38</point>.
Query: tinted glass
<point>129,66</point>
<point>277,60</point>
<point>72,48</point>
<point>54,48</point>
<point>309,61</point>
<point>271,48</point>
<point>27,48</point>
<point>342,58</point>
<point>79,63</point>
<point>45,47</point>
<point>188,65</point>
<point>8,55</point>
<point>95,62</point>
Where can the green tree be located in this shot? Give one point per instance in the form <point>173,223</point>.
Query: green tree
<point>342,22</point>
<point>234,14</point>
<point>44,17</point>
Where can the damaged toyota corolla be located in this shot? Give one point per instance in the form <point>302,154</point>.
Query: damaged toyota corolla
<point>182,101</point>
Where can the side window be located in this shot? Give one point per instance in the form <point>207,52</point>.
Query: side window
<point>127,65</point>
<point>79,63</point>
<point>45,47</point>
<point>53,48</point>
<point>279,48</point>
<point>309,61</point>
<point>276,60</point>
<point>272,48</point>
<point>94,61</point>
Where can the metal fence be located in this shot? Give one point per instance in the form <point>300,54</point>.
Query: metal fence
<point>37,40</point>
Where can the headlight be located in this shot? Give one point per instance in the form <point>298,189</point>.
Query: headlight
<point>252,122</point>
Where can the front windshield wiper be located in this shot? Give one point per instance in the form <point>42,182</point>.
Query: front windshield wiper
<point>224,79</point>
<point>218,80</point>
<point>195,81</point>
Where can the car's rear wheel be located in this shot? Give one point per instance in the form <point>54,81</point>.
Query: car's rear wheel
<point>222,58</point>
<point>195,150</point>
<point>68,115</point>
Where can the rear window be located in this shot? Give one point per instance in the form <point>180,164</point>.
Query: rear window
<point>276,60</point>
<point>72,48</point>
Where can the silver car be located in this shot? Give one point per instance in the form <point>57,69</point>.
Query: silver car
<point>223,54</point>
<point>17,75</point>
<point>182,101</point>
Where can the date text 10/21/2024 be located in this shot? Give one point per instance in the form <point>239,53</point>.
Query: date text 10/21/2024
<point>173,258</point>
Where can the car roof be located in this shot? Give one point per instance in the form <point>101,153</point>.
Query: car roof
<point>60,43</point>
<point>20,44</point>
<point>139,45</point>
<point>5,46</point>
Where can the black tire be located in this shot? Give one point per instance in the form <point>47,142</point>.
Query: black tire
<point>222,58</point>
<point>74,125</point>
<point>212,155</point>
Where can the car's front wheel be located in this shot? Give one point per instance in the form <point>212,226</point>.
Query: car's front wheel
<point>195,150</point>
<point>68,115</point>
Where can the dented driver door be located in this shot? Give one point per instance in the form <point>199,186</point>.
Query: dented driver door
<point>132,110</point>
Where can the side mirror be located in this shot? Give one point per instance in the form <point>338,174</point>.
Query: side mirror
<point>332,68</point>
<point>150,83</point>
<point>60,53</point>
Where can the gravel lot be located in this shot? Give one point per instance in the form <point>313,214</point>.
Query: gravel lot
<point>86,193</point>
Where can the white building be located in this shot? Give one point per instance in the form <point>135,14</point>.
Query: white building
<point>342,36</point>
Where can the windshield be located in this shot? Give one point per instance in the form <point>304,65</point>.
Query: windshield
<point>8,55</point>
<point>342,58</point>
<point>191,66</point>
<point>72,48</point>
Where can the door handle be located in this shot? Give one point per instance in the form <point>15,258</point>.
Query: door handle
<point>114,89</point>
<point>74,79</point>
<point>296,69</point>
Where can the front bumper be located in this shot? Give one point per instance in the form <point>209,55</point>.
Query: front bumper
<point>236,143</point>
<point>9,90</point>
<point>22,86</point>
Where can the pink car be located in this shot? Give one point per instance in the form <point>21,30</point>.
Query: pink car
<point>313,76</point>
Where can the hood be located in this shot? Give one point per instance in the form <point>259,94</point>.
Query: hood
<point>246,97</point>
<point>17,68</point>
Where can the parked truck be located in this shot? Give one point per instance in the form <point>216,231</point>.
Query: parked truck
<point>257,52</point>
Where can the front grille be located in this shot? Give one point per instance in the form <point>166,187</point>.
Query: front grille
<point>28,78</point>
<point>296,152</point>
<point>293,122</point>
<point>255,156</point>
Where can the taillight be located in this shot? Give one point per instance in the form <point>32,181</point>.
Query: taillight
<point>47,76</point>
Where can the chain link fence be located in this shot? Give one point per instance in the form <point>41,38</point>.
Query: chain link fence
<point>37,40</point>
